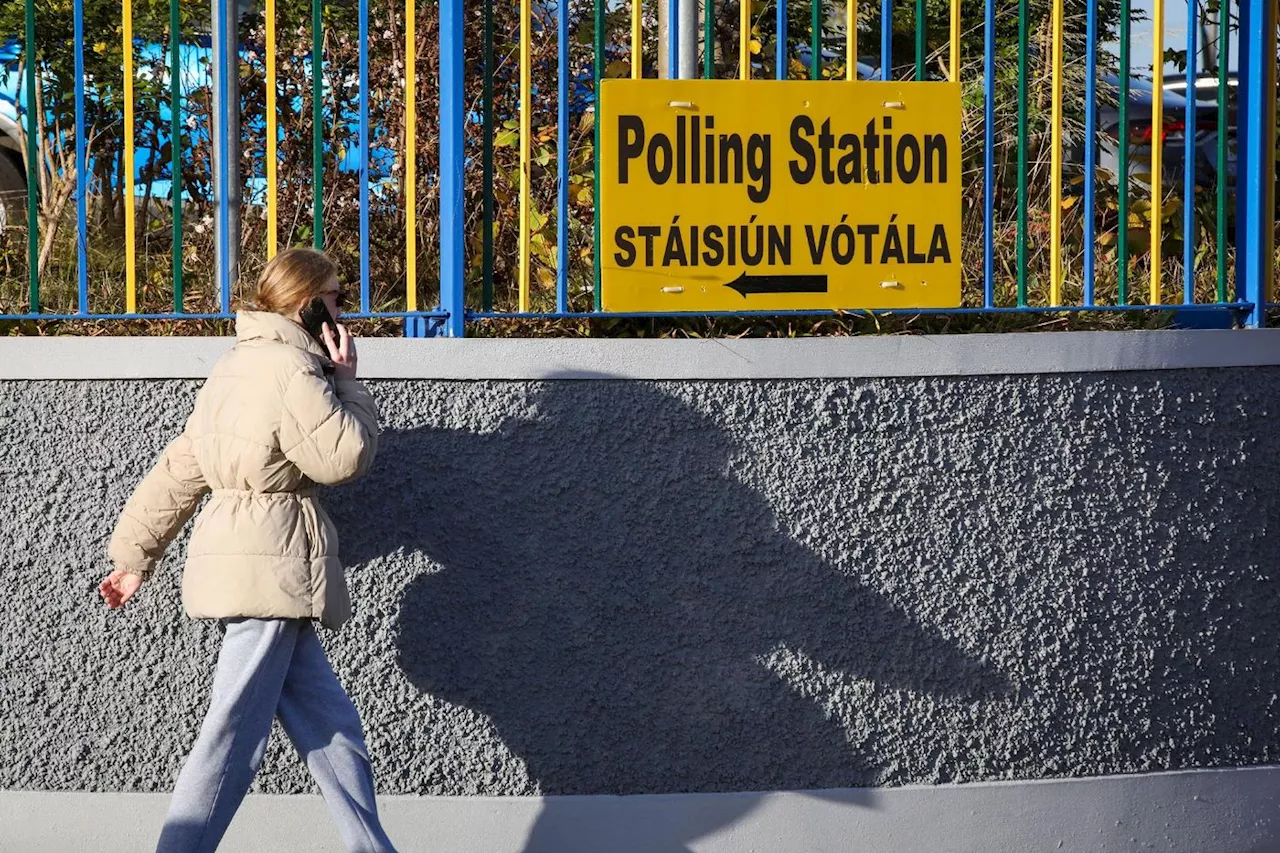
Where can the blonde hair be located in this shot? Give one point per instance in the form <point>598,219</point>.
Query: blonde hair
<point>292,279</point>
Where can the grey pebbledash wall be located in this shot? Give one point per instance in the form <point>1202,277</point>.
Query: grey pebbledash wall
<point>618,586</point>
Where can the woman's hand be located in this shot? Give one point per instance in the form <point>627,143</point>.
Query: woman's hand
<point>342,351</point>
<point>118,587</point>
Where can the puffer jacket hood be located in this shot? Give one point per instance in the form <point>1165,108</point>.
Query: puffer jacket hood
<point>269,425</point>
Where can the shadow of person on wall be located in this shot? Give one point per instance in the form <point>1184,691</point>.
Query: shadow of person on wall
<point>607,594</point>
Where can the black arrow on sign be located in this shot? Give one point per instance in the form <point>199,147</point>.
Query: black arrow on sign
<point>749,284</point>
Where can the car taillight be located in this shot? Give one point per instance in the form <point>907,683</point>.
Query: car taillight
<point>1140,134</point>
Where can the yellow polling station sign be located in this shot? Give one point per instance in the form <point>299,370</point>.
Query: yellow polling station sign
<point>779,195</point>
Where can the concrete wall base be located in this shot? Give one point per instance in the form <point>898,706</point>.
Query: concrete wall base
<point>1225,811</point>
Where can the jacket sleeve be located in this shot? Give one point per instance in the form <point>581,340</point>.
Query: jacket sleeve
<point>158,508</point>
<point>329,431</point>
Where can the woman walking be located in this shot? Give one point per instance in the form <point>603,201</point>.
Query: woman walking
<point>279,415</point>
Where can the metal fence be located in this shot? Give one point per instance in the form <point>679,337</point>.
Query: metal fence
<point>1188,225</point>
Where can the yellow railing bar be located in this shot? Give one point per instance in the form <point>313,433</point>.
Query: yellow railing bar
<point>744,40</point>
<point>526,97</point>
<point>273,240</point>
<point>410,157</point>
<point>955,40</point>
<point>1157,144</point>
<point>130,269</point>
<point>1055,167</point>
<point>851,40</point>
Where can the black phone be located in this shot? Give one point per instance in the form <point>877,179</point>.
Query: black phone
<point>315,316</point>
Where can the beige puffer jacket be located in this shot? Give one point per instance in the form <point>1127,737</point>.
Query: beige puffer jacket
<point>268,426</point>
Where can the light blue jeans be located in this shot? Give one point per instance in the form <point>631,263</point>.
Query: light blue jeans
<point>269,668</point>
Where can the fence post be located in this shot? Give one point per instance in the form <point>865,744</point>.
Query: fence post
<point>688,62</point>
<point>674,65</point>
<point>1255,173</point>
<point>226,147</point>
<point>452,160</point>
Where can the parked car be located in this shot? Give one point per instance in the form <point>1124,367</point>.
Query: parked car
<point>1172,134</point>
<point>868,66</point>
<point>154,176</point>
<point>1206,96</point>
<point>152,172</point>
<point>151,166</point>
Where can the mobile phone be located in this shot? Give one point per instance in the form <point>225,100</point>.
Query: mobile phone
<point>314,316</point>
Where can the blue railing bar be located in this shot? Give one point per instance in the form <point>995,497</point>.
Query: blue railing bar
<point>452,159</point>
<point>989,159</point>
<point>782,51</point>
<point>886,40</point>
<point>673,39</point>
<point>1091,148</point>
<point>562,162</point>
<point>1256,171</point>
<point>1199,307</point>
<point>364,155</point>
<point>395,315</point>
<point>855,312</point>
<point>82,179</point>
<point>1189,166</point>
<point>224,49</point>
